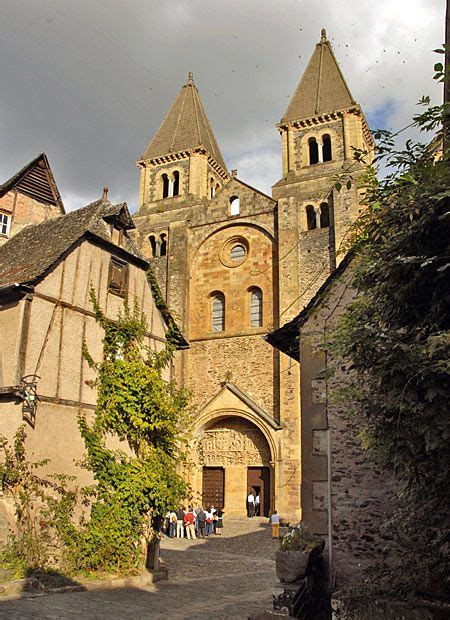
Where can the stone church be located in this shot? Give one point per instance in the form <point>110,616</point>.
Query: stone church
<point>234,263</point>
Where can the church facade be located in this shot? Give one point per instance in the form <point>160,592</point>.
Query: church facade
<point>234,263</point>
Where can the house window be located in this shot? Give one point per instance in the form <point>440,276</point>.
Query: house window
<point>313,151</point>
<point>326,147</point>
<point>218,312</point>
<point>324,215</point>
<point>311,223</point>
<point>5,222</point>
<point>118,277</point>
<point>256,314</point>
<point>234,205</point>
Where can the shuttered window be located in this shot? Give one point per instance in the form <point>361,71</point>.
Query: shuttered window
<point>218,312</point>
<point>118,277</point>
<point>256,315</point>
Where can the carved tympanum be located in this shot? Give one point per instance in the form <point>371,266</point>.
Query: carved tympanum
<point>227,446</point>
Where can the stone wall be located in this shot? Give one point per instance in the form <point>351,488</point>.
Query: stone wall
<point>371,608</point>
<point>337,473</point>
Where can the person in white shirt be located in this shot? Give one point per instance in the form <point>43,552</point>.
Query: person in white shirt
<point>257,504</point>
<point>251,504</point>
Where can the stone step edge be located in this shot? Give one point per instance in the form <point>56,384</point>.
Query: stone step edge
<point>31,586</point>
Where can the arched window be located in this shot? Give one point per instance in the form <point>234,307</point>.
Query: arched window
<point>176,183</point>
<point>256,308</point>
<point>212,189</point>
<point>218,312</point>
<point>326,148</point>
<point>154,245</point>
<point>234,205</point>
<point>311,217</point>
<point>216,189</point>
<point>165,185</point>
<point>324,215</point>
<point>163,249</point>
<point>313,151</point>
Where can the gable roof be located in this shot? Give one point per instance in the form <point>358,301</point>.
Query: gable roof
<point>185,127</point>
<point>287,338</point>
<point>36,180</point>
<point>241,402</point>
<point>322,87</point>
<point>35,248</point>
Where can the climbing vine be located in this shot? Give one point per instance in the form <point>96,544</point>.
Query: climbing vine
<point>137,405</point>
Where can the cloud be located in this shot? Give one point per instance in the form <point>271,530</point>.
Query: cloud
<point>90,82</point>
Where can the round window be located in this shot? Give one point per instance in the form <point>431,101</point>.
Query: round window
<point>237,252</point>
<point>234,251</point>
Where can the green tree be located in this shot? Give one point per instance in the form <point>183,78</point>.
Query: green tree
<point>396,335</point>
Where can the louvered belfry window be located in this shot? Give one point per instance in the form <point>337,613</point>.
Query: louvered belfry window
<point>218,312</point>
<point>256,315</point>
<point>118,277</point>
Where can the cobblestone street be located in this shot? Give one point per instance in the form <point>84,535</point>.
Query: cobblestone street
<point>228,576</point>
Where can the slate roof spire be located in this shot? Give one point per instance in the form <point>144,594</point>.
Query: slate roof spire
<point>185,127</point>
<point>322,87</point>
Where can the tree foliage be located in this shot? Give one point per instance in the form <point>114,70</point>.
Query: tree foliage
<point>396,335</point>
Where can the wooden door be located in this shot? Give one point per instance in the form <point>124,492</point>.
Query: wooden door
<point>213,487</point>
<point>258,478</point>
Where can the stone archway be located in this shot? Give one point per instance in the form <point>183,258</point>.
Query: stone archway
<point>233,453</point>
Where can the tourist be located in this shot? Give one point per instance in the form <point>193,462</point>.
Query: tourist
<point>251,504</point>
<point>180,522</point>
<point>201,519</point>
<point>172,524</point>
<point>257,504</point>
<point>196,511</point>
<point>275,522</point>
<point>189,524</point>
<point>213,512</point>
<point>219,522</point>
<point>208,522</point>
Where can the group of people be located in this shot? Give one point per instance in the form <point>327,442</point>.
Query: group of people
<point>253,504</point>
<point>191,523</point>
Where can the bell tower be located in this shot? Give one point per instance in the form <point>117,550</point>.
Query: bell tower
<point>183,159</point>
<point>319,131</point>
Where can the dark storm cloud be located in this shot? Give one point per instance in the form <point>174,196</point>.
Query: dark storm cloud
<point>89,82</point>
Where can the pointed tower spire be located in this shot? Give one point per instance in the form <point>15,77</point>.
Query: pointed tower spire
<point>322,87</point>
<point>185,127</point>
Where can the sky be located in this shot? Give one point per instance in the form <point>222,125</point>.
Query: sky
<point>89,81</point>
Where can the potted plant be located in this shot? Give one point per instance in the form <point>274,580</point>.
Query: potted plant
<point>293,556</point>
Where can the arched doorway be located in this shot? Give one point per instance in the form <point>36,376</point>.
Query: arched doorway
<point>235,457</point>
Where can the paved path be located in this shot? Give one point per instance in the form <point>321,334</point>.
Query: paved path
<point>223,577</point>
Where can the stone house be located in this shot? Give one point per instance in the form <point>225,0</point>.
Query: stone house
<point>234,263</point>
<point>344,497</point>
<point>28,197</point>
<point>46,271</point>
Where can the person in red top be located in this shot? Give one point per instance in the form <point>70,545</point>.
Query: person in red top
<point>189,524</point>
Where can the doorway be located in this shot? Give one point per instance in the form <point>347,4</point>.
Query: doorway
<point>213,487</point>
<point>258,479</point>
